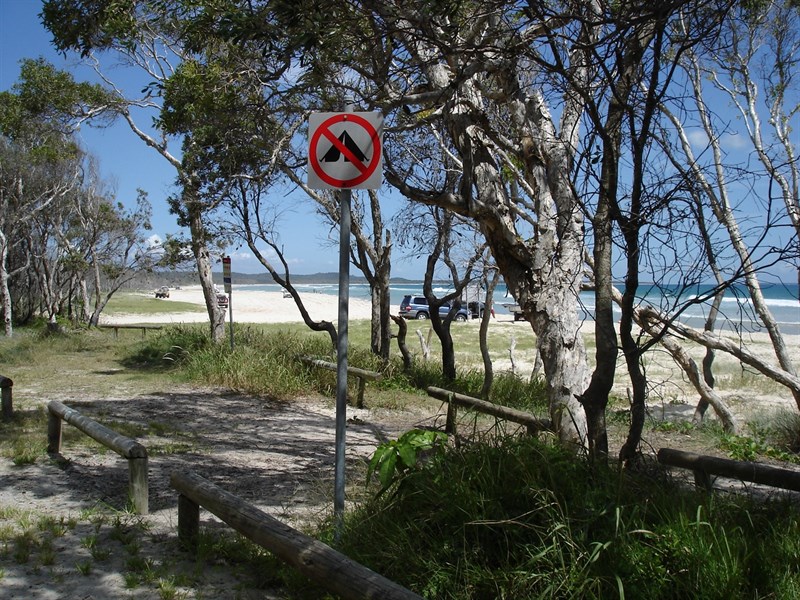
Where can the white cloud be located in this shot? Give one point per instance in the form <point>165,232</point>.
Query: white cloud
<point>734,141</point>
<point>697,137</point>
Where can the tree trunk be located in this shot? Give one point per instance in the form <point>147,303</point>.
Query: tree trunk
<point>595,398</point>
<point>486,317</point>
<point>381,331</point>
<point>203,260</point>
<point>402,332</point>
<point>5,294</point>
<point>441,328</point>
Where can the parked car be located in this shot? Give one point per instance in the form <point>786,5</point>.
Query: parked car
<point>416,307</point>
<point>162,292</point>
<point>476,309</point>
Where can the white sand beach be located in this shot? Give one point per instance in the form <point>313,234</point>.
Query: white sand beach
<point>249,306</point>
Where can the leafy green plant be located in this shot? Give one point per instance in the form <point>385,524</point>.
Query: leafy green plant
<point>393,459</point>
<point>664,426</point>
<point>744,447</point>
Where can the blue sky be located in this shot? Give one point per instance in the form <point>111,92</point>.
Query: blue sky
<point>128,164</point>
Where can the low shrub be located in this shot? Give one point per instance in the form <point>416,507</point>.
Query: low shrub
<point>520,519</point>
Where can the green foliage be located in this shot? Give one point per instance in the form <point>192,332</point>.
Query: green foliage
<point>524,520</point>
<point>392,460</point>
<point>22,438</point>
<point>171,348</point>
<point>773,436</point>
<point>90,24</point>
<point>684,427</point>
<point>44,106</point>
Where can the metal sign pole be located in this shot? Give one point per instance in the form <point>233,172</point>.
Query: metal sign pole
<point>341,358</point>
<point>226,278</point>
<point>230,308</point>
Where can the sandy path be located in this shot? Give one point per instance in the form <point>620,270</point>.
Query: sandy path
<point>277,456</point>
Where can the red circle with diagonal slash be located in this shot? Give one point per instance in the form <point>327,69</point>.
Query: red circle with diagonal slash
<point>324,130</point>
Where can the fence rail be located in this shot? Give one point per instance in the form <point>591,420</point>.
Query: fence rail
<point>453,399</point>
<point>333,570</point>
<point>144,328</point>
<point>122,445</point>
<point>361,374</point>
<point>706,466</point>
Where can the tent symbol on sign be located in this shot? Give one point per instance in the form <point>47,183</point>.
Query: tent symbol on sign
<point>334,154</point>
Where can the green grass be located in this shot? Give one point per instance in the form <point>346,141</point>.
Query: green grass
<point>511,518</point>
<point>519,519</point>
<point>147,304</point>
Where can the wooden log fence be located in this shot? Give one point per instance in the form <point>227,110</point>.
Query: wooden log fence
<point>122,445</point>
<point>331,569</point>
<point>6,387</point>
<point>144,328</point>
<point>361,374</point>
<point>453,399</point>
<point>705,466</point>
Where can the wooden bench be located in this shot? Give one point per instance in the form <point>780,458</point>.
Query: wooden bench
<point>705,466</point>
<point>361,374</point>
<point>331,569</point>
<point>453,399</point>
<point>116,328</point>
<point>124,446</point>
<point>6,386</point>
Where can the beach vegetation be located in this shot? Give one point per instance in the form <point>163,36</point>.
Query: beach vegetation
<point>496,516</point>
<point>516,518</point>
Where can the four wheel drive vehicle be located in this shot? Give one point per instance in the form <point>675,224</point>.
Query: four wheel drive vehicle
<point>476,309</point>
<point>162,292</point>
<point>416,307</point>
<point>515,310</point>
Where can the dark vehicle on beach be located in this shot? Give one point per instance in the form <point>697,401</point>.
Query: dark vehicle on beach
<point>476,309</point>
<point>162,292</point>
<point>416,307</point>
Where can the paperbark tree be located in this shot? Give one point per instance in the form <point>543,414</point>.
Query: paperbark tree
<point>111,244</point>
<point>41,161</point>
<point>371,254</point>
<point>146,38</point>
<point>763,34</point>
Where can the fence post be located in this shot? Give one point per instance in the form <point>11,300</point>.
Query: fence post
<point>53,432</point>
<point>138,486</point>
<point>8,407</point>
<point>188,521</point>
<point>450,424</point>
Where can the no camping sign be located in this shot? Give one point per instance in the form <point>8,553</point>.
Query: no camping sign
<point>344,150</point>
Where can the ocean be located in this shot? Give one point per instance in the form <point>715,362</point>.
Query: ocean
<point>736,312</point>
